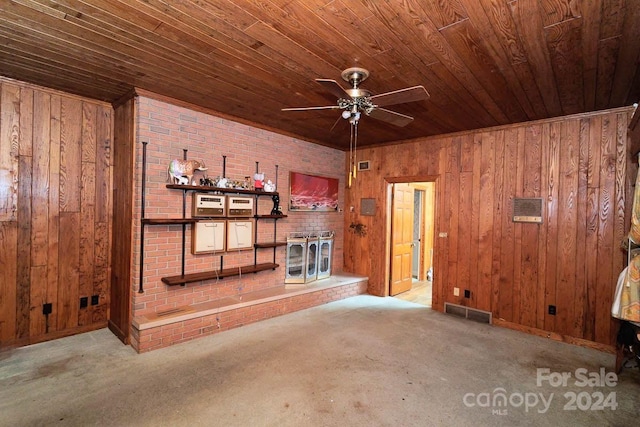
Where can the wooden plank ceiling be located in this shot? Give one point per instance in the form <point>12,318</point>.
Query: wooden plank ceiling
<point>484,62</point>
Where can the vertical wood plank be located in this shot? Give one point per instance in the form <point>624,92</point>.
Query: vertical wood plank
<point>498,218</point>
<point>441,246</point>
<point>9,145</point>
<point>517,191</point>
<point>70,154</point>
<point>606,225</point>
<point>54,212</point>
<point>40,183</point>
<point>68,298</point>
<point>453,184</point>
<point>40,210</point>
<point>507,248</point>
<point>619,225</point>
<point>463,239</point>
<point>87,239</point>
<point>592,225</point>
<point>25,150</point>
<point>530,232</point>
<point>26,122</point>
<point>104,165</point>
<point>567,216</point>
<point>580,298</point>
<point>39,324</point>
<point>541,308</point>
<point>23,252</point>
<point>486,208</point>
<point>103,216</point>
<point>101,272</point>
<point>88,129</point>
<point>553,228</point>
<point>8,279</point>
<point>474,219</point>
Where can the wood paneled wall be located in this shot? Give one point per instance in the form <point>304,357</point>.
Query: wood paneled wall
<point>579,165</point>
<point>55,212</point>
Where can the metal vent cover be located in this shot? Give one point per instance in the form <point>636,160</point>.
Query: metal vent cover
<point>527,210</point>
<point>476,315</point>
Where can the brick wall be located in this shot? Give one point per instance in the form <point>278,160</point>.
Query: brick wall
<point>169,129</point>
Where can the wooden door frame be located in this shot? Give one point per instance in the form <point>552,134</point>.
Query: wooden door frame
<point>389,181</point>
<point>422,273</point>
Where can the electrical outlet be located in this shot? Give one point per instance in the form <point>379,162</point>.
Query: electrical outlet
<point>84,302</point>
<point>47,308</point>
<point>456,292</point>
<point>467,293</point>
<point>552,310</point>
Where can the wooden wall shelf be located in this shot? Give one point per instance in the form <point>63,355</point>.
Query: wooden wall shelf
<point>269,245</point>
<point>210,189</point>
<point>217,274</point>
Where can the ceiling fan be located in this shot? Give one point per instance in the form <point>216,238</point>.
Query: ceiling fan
<point>355,101</point>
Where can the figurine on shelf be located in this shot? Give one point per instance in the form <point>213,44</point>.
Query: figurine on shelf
<point>277,210</point>
<point>247,183</point>
<point>258,178</point>
<point>222,183</point>
<point>184,168</point>
<point>206,181</point>
<point>269,186</point>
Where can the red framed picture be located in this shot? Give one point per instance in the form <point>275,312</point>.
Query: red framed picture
<point>312,192</point>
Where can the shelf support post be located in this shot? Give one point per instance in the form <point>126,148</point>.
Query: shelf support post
<point>143,189</point>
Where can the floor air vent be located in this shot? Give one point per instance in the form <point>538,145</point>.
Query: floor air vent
<point>468,313</point>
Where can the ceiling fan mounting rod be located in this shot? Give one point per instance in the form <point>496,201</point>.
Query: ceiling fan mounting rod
<point>355,76</point>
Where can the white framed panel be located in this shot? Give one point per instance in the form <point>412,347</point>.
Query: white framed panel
<point>208,237</point>
<point>239,234</point>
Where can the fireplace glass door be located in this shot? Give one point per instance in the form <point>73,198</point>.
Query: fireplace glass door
<point>312,259</point>
<point>324,257</point>
<point>296,250</point>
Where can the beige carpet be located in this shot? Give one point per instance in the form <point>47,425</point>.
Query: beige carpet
<point>362,361</point>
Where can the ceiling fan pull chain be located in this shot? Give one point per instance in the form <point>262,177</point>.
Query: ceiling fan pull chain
<point>355,147</point>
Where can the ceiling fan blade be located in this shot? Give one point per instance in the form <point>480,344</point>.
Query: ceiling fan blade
<point>333,87</point>
<point>392,117</point>
<point>327,107</point>
<point>410,94</point>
